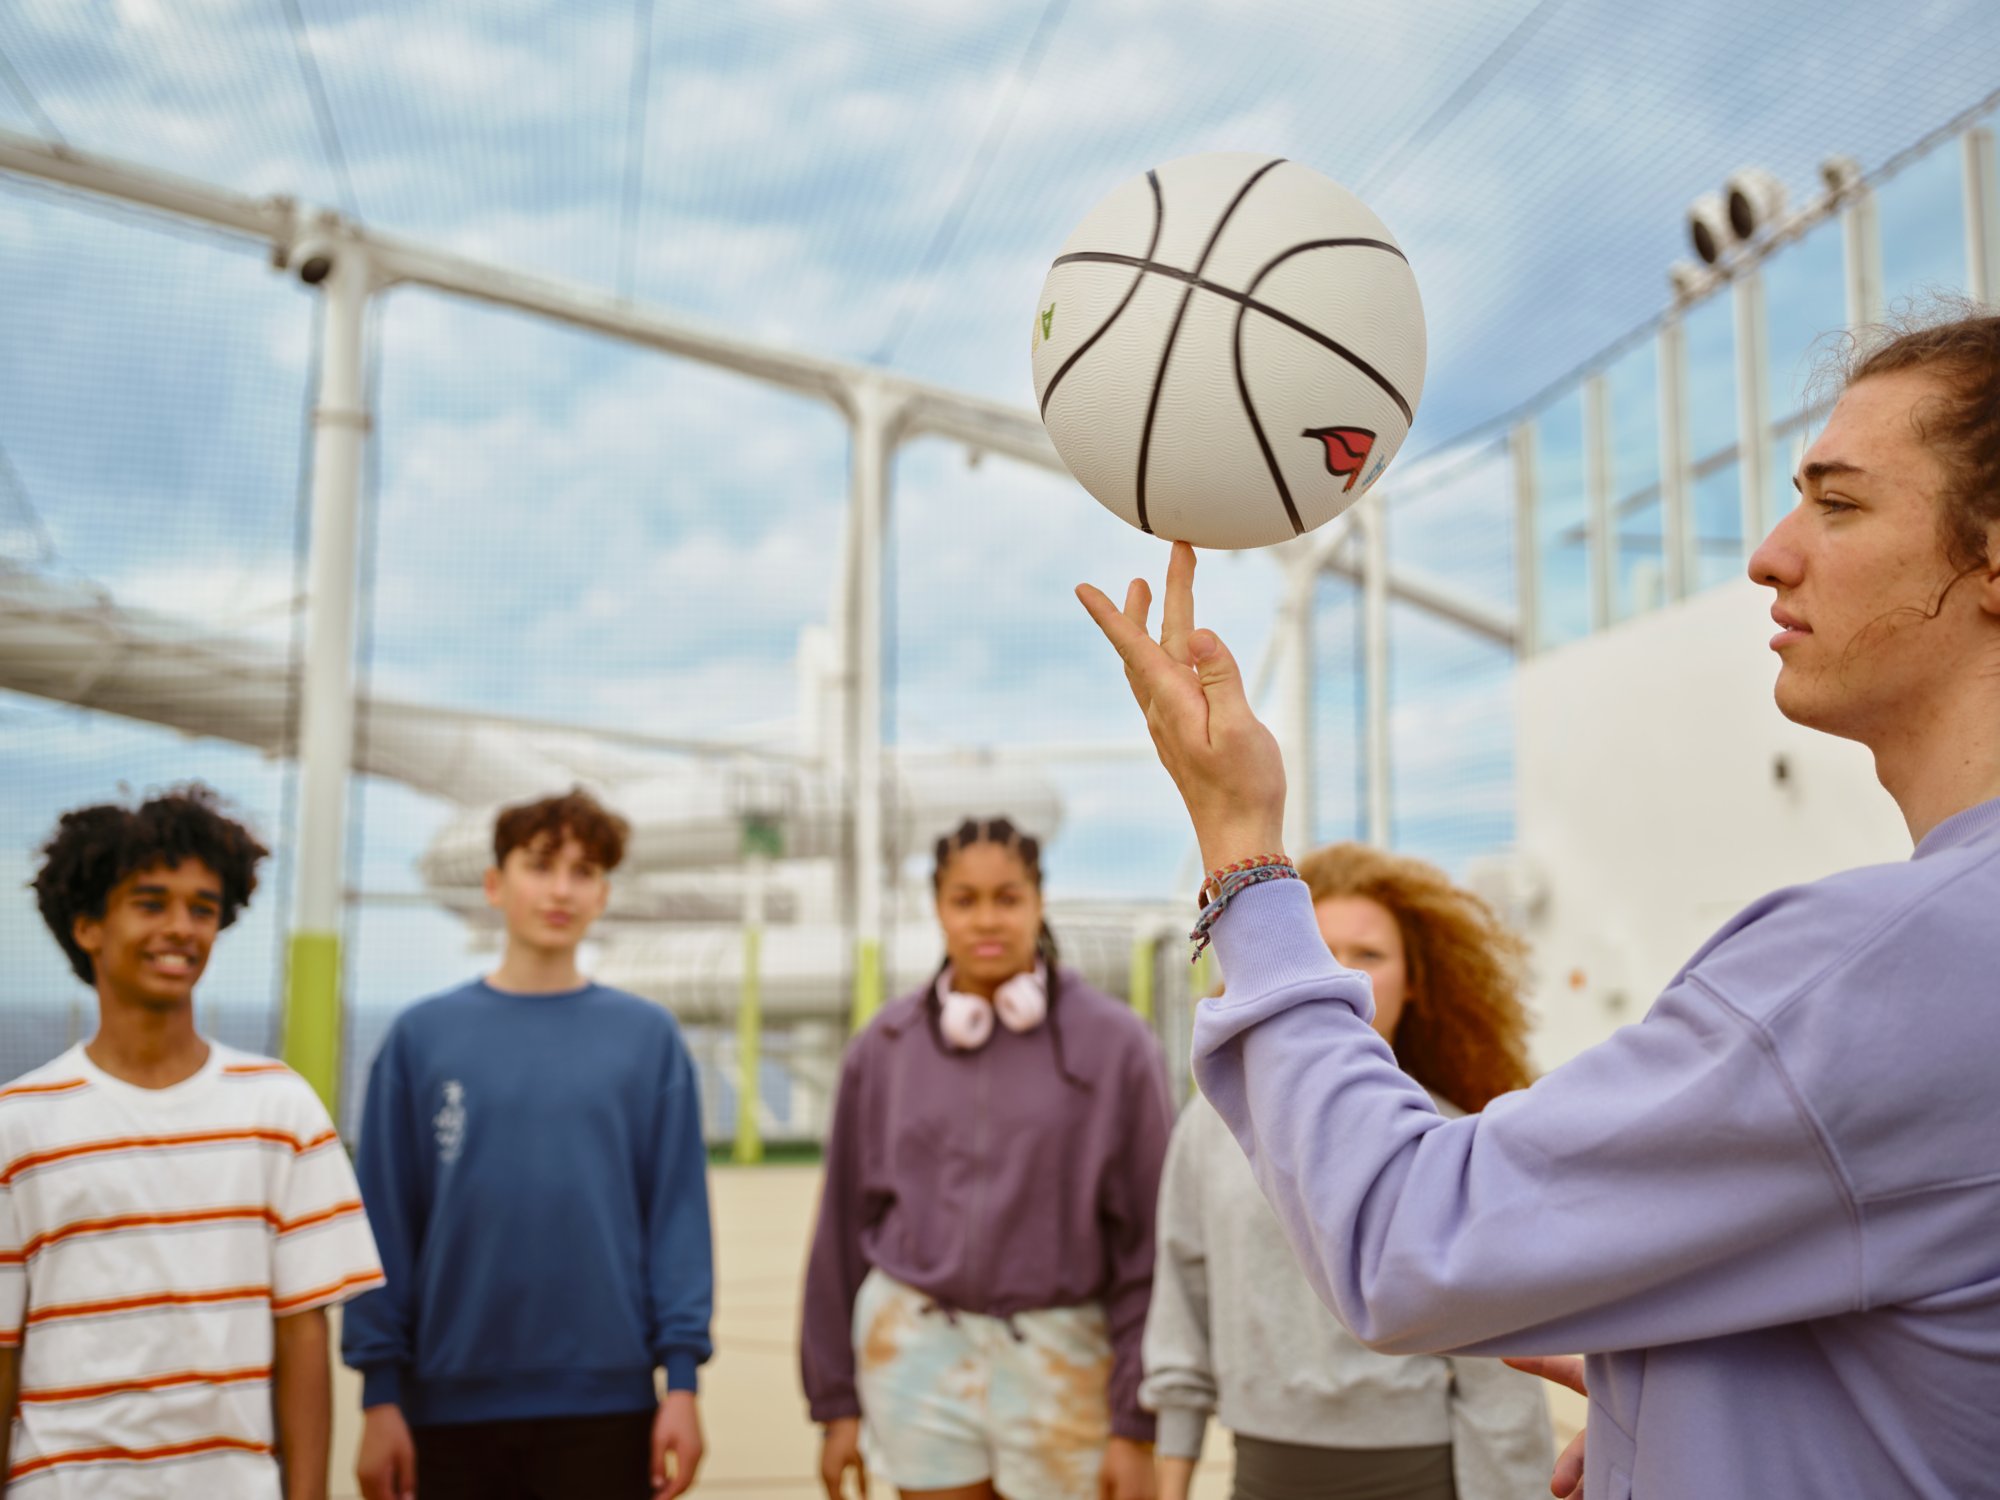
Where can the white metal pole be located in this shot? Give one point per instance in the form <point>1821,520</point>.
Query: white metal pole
<point>1375,647</point>
<point>1603,539</point>
<point>1982,217</point>
<point>326,737</point>
<point>1527,542</point>
<point>1301,780</point>
<point>1753,402</point>
<point>1677,538</point>
<point>1861,251</point>
<point>874,414</point>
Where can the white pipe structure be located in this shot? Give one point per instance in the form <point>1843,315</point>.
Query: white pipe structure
<point>1982,216</point>
<point>326,741</point>
<point>1293,645</point>
<point>876,415</point>
<point>1597,483</point>
<point>1677,531</point>
<point>1527,540</point>
<point>1753,402</point>
<point>1373,521</point>
<point>1861,255</point>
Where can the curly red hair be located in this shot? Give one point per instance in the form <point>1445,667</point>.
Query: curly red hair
<point>1464,1029</point>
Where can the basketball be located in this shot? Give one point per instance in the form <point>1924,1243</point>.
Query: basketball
<point>1229,350</point>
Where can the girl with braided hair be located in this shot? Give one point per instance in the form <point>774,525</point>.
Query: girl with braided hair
<point>981,1271</point>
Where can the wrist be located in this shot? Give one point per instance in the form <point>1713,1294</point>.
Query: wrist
<point>1229,845</point>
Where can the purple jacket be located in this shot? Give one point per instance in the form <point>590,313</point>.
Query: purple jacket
<point>992,1183</point>
<point>1769,1213</point>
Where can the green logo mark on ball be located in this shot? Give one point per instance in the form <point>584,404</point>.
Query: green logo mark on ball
<point>1048,317</point>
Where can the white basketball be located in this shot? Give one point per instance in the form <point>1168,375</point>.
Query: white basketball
<point>1229,350</point>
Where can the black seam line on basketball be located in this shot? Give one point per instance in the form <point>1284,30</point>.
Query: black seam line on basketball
<point>1159,222</point>
<point>1257,427</point>
<point>1193,281</point>
<point>1174,332</point>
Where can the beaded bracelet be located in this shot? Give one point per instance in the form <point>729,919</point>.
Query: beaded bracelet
<point>1225,885</point>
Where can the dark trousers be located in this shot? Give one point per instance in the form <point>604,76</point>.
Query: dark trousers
<point>1295,1471</point>
<point>545,1458</point>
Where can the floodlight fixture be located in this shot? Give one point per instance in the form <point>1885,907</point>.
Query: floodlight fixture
<point>1708,227</point>
<point>1755,200</point>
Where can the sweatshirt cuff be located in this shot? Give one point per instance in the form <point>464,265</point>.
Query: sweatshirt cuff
<point>381,1385</point>
<point>1182,1429</point>
<point>1267,942</point>
<point>683,1367</point>
<point>835,1409</point>
<point>1137,1426</point>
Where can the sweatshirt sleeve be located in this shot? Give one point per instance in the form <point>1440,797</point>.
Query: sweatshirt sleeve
<point>680,1267</point>
<point>1130,1208</point>
<point>1502,1444</point>
<point>1180,1371</point>
<point>377,1329</point>
<point>1668,1184</point>
<point>835,1268</point>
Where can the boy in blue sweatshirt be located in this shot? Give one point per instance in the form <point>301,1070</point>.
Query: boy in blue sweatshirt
<point>532,1160</point>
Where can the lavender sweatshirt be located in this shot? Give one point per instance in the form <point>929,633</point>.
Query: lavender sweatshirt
<point>991,1183</point>
<point>1770,1212</point>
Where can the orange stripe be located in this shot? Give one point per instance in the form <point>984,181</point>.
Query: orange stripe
<point>240,1070</point>
<point>318,1141</point>
<point>22,1089</point>
<point>325,1215</point>
<point>357,1282</point>
<point>136,1455</point>
<point>156,1383</point>
<point>10,1338</point>
<point>137,1221</point>
<point>13,1258</point>
<point>151,1299</point>
<point>148,1142</point>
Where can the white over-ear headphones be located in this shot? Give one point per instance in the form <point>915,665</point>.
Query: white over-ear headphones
<point>1022,1004</point>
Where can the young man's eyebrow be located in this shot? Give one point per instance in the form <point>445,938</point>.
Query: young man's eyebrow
<point>154,888</point>
<point>1823,468</point>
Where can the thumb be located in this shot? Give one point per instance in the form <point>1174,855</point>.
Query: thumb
<point>1221,681</point>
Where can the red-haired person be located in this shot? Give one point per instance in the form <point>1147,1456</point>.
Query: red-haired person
<point>1235,1329</point>
<point>175,1216</point>
<point>979,1278</point>
<point>532,1154</point>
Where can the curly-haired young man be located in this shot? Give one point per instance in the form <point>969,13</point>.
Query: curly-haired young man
<point>532,1156</point>
<point>175,1215</point>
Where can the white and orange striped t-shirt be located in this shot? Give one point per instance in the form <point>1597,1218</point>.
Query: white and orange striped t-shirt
<point>148,1237</point>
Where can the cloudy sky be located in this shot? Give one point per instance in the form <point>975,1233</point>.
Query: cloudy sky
<point>569,529</point>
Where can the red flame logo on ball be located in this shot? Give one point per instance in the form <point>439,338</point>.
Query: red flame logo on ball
<point>1346,450</point>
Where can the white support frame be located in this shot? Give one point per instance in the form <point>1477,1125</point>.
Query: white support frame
<point>1980,194</point>
<point>1753,402</point>
<point>1678,541</point>
<point>1527,540</point>
<point>1601,533</point>
<point>1861,256</point>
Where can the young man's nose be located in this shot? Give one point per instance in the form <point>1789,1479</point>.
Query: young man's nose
<point>1776,563</point>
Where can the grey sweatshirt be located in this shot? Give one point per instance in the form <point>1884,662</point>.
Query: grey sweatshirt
<point>1235,1330</point>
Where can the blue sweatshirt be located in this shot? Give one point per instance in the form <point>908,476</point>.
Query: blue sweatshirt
<point>1766,1213</point>
<point>533,1169</point>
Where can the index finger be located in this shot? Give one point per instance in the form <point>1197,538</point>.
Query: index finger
<point>1141,655</point>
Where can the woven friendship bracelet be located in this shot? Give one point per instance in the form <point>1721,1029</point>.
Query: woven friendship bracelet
<point>1227,884</point>
<point>1213,883</point>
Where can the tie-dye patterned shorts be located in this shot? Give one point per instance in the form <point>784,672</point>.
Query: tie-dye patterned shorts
<point>951,1398</point>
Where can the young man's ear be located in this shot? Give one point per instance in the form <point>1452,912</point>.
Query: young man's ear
<point>492,884</point>
<point>88,932</point>
<point>1989,576</point>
